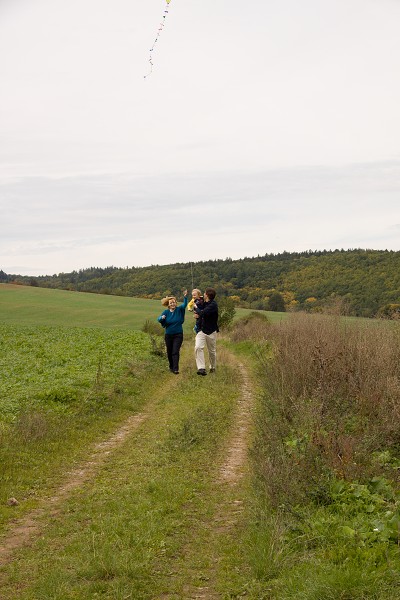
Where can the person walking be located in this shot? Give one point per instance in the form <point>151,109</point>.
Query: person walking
<point>207,336</point>
<point>172,319</point>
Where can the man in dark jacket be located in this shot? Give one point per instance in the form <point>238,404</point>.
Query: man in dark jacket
<point>207,336</point>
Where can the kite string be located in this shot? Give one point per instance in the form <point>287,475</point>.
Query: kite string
<point>161,27</point>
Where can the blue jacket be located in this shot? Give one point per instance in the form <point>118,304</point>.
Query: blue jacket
<point>173,320</point>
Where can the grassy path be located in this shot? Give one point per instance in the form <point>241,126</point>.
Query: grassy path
<point>156,510</point>
<point>28,527</point>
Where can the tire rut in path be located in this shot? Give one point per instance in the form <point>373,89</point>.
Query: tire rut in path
<point>29,526</point>
<point>233,468</point>
<point>230,474</point>
<point>25,529</point>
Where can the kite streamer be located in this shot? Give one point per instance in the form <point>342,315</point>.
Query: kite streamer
<point>161,27</point>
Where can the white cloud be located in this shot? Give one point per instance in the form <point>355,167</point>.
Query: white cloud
<point>263,127</point>
<point>76,222</point>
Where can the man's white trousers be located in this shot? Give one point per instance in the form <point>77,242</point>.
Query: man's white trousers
<point>203,340</point>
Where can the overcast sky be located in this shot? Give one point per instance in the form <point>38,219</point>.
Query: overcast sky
<point>265,126</point>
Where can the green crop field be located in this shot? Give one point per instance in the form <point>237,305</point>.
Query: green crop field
<point>55,344</point>
<point>40,306</point>
<point>58,366</point>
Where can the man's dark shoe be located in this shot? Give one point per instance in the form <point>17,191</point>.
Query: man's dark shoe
<point>212,370</point>
<point>176,372</point>
<point>201,372</point>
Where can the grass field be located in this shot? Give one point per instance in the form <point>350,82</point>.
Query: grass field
<point>55,344</point>
<point>59,366</point>
<point>40,306</point>
<point>321,518</point>
<point>75,367</point>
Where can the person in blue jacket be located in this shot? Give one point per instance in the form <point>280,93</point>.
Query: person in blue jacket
<point>172,320</point>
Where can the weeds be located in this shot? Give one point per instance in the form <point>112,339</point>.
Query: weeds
<point>152,328</point>
<point>156,336</point>
<point>326,456</point>
<point>333,392</point>
<point>157,346</point>
<point>255,327</point>
<point>32,425</point>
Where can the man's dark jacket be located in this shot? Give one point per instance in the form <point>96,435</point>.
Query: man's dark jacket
<point>209,317</point>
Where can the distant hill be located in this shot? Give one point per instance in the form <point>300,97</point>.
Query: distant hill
<point>367,282</point>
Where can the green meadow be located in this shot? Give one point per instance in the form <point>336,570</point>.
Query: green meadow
<point>316,515</point>
<point>75,367</point>
<point>40,306</point>
<point>72,366</point>
<point>56,344</point>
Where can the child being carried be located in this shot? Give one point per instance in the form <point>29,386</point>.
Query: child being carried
<point>196,305</point>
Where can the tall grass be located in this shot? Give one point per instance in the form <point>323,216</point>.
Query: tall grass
<point>255,326</point>
<point>327,458</point>
<point>333,392</point>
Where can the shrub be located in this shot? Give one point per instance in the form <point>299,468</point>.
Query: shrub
<point>390,311</point>
<point>156,334</point>
<point>254,326</point>
<point>152,328</point>
<point>276,302</point>
<point>226,313</point>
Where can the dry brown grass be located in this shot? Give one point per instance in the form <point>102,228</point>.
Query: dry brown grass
<point>332,397</point>
<point>255,326</point>
<point>32,425</point>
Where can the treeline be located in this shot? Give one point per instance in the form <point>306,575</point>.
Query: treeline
<point>365,282</point>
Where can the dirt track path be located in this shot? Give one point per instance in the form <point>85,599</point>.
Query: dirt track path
<point>29,527</point>
<point>229,475</point>
<point>22,531</point>
<point>233,469</point>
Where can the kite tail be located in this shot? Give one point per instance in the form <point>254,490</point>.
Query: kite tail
<point>161,27</point>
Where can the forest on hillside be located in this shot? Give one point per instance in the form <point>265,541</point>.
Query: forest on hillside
<point>365,282</point>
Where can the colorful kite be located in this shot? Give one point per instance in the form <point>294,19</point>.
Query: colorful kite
<point>161,27</point>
